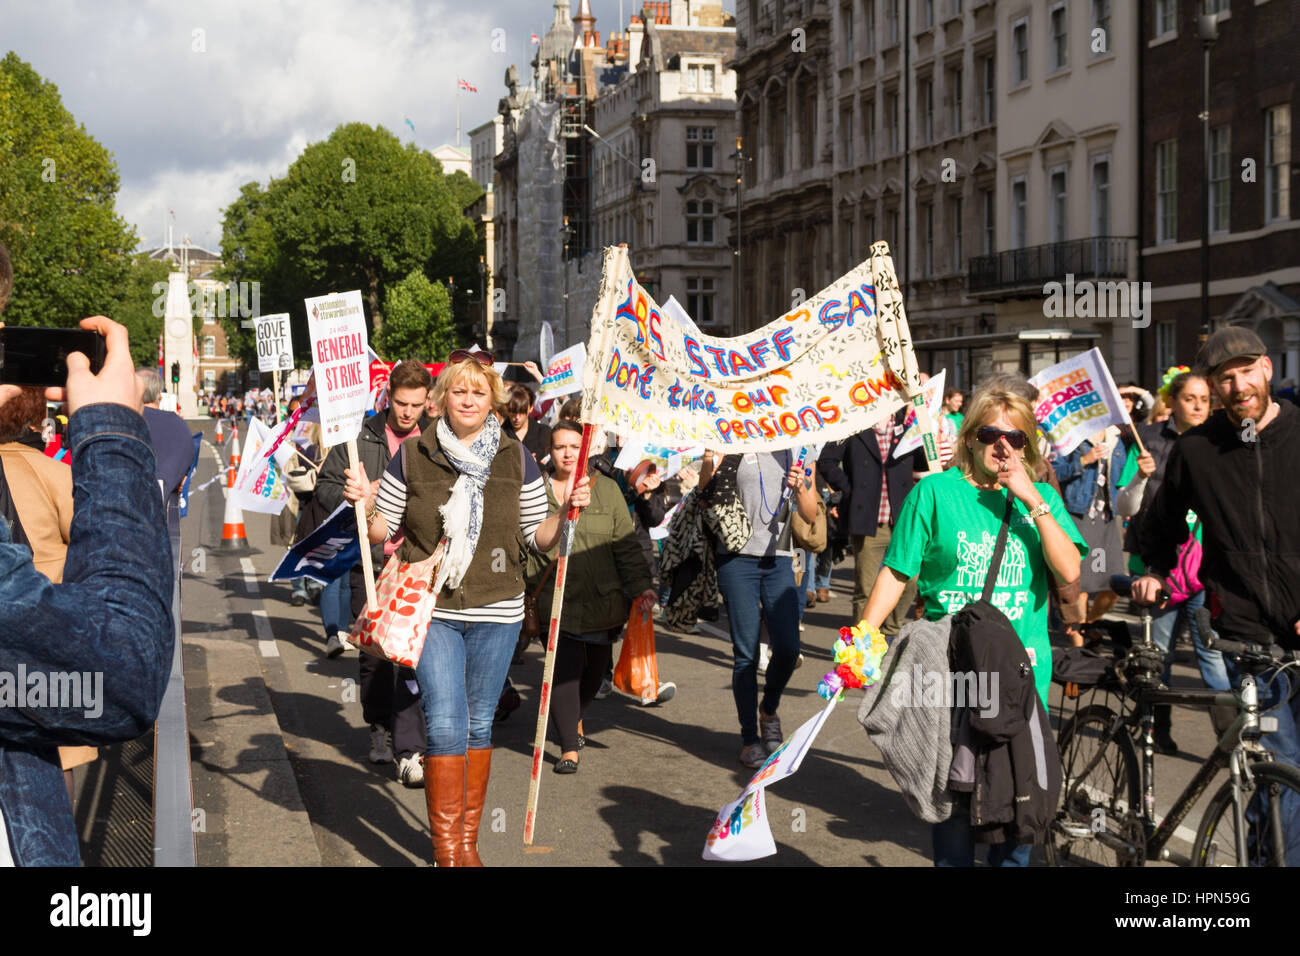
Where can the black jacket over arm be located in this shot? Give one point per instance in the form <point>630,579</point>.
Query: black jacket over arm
<point>853,468</point>
<point>1244,493</point>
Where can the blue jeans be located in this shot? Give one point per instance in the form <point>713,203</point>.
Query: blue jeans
<point>1274,690</point>
<point>461,672</point>
<point>1215,669</point>
<point>336,606</point>
<point>954,841</point>
<point>749,585</point>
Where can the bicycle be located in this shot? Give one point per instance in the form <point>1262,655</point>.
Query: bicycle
<point>1107,815</point>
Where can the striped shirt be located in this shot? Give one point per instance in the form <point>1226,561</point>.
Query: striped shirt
<point>391,503</point>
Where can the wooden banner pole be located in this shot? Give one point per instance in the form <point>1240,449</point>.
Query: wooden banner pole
<point>552,640</point>
<point>367,563</point>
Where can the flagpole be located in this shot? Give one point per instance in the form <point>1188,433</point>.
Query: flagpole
<point>458,112</point>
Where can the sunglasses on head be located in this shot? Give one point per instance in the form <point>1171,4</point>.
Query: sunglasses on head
<point>988,435</point>
<point>464,355</point>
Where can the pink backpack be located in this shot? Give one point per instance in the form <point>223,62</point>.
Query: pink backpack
<point>1184,580</point>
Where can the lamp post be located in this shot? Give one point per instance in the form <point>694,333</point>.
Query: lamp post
<point>739,157</point>
<point>1207,29</point>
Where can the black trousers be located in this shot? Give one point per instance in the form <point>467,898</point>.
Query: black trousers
<point>386,701</point>
<point>580,666</point>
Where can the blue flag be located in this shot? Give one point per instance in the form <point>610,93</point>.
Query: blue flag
<point>327,553</point>
<point>185,486</point>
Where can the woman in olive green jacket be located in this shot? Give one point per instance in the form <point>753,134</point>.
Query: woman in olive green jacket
<point>607,573</point>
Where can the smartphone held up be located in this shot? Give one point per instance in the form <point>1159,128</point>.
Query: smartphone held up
<point>38,356</point>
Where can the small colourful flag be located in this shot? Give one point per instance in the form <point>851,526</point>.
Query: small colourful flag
<point>408,122</point>
<point>534,38</point>
<point>465,86</point>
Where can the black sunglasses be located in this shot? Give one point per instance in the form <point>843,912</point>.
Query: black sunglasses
<point>988,435</point>
<point>464,355</point>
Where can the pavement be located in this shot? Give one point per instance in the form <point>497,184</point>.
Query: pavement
<point>278,743</point>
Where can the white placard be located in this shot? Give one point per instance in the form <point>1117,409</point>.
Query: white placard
<point>274,343</point>
<point>564,373</point>
<point>339,359</point>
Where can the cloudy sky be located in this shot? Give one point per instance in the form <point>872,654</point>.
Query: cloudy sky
<point>188,126</point>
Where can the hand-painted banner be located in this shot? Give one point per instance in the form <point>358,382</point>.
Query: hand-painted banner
<point>1077,398</point>
<point>824,371</point>
<point>327,553</point>
<point>564,374</point>
<point>740,831</point>
<point>339,359</point>
<point>259,484</point>
<point>912,437</point>
<point>274,346</point>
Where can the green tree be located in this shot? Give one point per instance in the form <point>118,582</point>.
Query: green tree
<point>140,308</point>
<point>417,324</point>
<point>71,252</point>
<point>357,211</point>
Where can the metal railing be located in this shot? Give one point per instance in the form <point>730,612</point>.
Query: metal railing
<point>1031,267</point>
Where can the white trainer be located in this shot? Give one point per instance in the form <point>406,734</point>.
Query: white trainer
<point>410,771</point>
<point>381,745</point>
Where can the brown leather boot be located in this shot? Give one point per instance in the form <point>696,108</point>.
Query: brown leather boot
<point>444,794</point>
<point>480,765</point>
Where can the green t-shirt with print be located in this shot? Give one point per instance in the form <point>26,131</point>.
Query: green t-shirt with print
<point>945,536</point>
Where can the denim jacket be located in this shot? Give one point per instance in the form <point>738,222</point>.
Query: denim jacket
<point>111,616</point>
<point>1079,482</point>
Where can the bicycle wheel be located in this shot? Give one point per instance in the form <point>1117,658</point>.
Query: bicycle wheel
<point>1274,798</point>
<point>1097,823</point>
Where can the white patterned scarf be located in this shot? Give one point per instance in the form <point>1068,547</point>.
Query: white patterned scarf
<point>462,515</point>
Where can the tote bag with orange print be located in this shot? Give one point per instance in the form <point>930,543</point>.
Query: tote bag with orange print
<point>395,628</point>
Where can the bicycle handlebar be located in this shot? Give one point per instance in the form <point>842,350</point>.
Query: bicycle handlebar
<point>1248,649</point>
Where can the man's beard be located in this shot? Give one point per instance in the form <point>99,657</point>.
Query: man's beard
<point>1255,397</point>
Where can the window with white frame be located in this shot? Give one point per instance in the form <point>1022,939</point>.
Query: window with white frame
<point>1019,212</point>
<point>1277,163</point>
<point>1166,10</point>
<point>988,90</point>
<point>1020,51</point>
<point>699,299</point>
<point>955,99</point>
<point>209,346</point>
<point>926,215</point>
<point>954,229</point>
<point>699,147</point>
<point>697,78</point>
<point>869,130</point>
<point>1220,182</point>
<point>925,107</point>
<point>846,134</point>
<point>1100,20</point>
<point>1058,205</point>
<point>1167,191</point>
<point>1058,29</point>
<point>1101,195</point>
<point>700,216</point>
<point>990,222</point>
<point>209,380</point>
<point>891,120</point>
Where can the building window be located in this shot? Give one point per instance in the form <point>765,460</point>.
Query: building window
<point>699,299</point>
<point>1214,6</point>
<point>846,239</point>
<point>846,134</point>
<point>988,91</point>
<point>1019,213</point>
<point>1166,354</point>
<point>954,225</point>
<point>776,134</point>
<point>1101,196</point>
<point>927,13</point>
<point>1166,191</point>
<point>697,78</point>
<point>954,98</point>
<point>868,231</point>
<point>209,380</point>
<point>925,104</point>
<point>869,24</point>
<point>891,108</point>
<point>699,147</point>
<point>1165,11</point>
<point>869,130</point>
<point>650,225</point>
<point>990,223</point>
<point>1059,29</point>
<point>891,20</point>
<point>926,215</point>
<point>1277,163</point>
<point>846,29</point>
<point>808,122</point>
<point>891,225</point>
<point>1100,21</point>
<point>1219,182</point>
<point>1020,51</point>
<point>1059,204</point>
<point>209,346</point>
<point>699,222</point>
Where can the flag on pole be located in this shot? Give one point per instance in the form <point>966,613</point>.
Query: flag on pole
<point>327,553</point>
<point>533,37</point>
<point>461,84</point>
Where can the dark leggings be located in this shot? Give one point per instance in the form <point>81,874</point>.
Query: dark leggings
<point>579,668</point>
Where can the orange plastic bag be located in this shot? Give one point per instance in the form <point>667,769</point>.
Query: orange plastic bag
<point>637,671</point>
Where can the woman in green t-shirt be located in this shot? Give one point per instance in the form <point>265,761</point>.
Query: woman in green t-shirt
<point>945,536</point>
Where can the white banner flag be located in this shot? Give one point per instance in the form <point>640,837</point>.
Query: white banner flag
<point>259,483</point>
<point>339,358</point>
<point>563,375</point>
<point>912,436</point>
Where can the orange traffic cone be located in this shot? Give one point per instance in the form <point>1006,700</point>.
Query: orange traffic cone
<point>233,468</point>
<point>220,432</point>
<point>232,527</point>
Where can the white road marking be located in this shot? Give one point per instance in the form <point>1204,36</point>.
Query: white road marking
<point>250,574</point>
<point>221,465</point>
<point>265,638</point>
